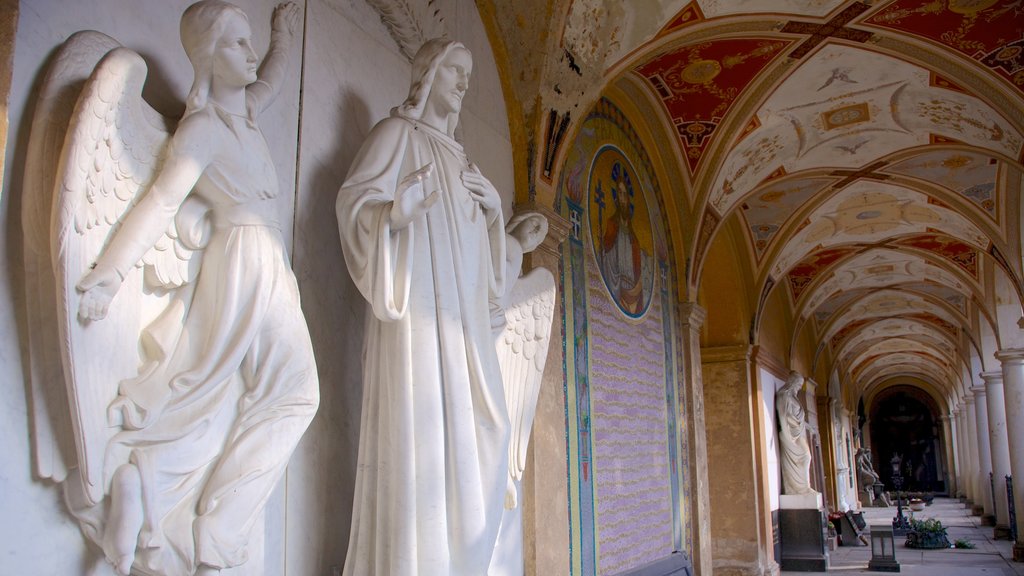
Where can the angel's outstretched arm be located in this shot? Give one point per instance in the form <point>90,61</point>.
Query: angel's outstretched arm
<point>188,155</point>
<point>274,69</point>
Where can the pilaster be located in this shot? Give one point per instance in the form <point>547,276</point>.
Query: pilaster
<point>545,516</point>
<point>738,508</point>
<point>692,319</point>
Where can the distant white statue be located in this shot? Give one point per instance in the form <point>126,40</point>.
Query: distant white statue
<point>425,243</point>
<point>796,453</point>
<point>523,333</point>
<point>188,364</point>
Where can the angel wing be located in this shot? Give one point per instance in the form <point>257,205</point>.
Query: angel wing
<point>522,351</point>
<point>65,76</point>
<point>114,147</point>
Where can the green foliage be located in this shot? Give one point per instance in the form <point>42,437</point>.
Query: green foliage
<point>927,534</point>
<point>961,543</point>
<point>927,526</point>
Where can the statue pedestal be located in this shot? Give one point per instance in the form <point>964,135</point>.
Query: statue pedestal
<point>800,501</point>
<point>804,533</point>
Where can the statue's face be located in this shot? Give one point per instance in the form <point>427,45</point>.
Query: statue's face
<point>451,81</point>
<point>234,60</point>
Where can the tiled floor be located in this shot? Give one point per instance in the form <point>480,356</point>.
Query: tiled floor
<point>990,557</point>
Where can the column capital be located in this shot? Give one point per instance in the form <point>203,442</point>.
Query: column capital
<point>992,377</point>
<point>978,390</point>
<point>715,354</point>
<point>968,399</point>
<point>1010,356</point>
<point>692,314</point>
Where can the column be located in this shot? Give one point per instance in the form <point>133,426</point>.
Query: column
<point>971,445</point>
<point>692,318</point>
<point>984,508</point>
<point>999,442</point>
<point>965,457</point>
<point>853,484</point>
<point>1013,395</point>
<point>951,467</point>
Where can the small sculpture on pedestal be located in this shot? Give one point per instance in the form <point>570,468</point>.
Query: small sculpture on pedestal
<point>871,486</point>
<point>188,364</point>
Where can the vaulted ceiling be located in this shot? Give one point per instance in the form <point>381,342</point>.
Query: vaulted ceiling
<point>870,152</point>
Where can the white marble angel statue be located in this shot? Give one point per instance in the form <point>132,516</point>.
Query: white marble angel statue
<point>425,243</point>
<point>796,452</point>
<point>188,365</point>
<point>523,332</point>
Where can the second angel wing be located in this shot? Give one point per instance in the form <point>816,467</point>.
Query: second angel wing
<point>522,353</point>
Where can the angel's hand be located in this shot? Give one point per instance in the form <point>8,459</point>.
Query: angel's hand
<point>482,190</point>
<point>412,199</point>
<point>285,20</point>
<point>98,288</point>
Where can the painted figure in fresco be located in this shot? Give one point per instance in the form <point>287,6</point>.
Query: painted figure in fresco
<point>621,253</point>
<point>424,241</point>
<point>170,243</point>
<point>796,453</point>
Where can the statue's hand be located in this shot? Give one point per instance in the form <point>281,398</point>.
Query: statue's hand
<point>98,288</point>
<point>285,20</point>
<point>481,189</point>
<point>412,199</point>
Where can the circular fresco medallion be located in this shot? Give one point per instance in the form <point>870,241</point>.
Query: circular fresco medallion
<point>700,72</point>
<point>620,228</point>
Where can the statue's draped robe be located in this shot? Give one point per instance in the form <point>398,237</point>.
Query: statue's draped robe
<point>433,447</point>
<point>230,383</point>
<point>796,453</point>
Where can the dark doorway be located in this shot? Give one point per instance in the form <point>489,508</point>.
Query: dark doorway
<point>904,421</point>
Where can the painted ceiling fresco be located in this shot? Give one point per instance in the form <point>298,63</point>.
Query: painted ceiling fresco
<point>989,31</point>
<point>870,213</point>
<point>870,152</point>
<point>968,173</point>
<point>698,84</point>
